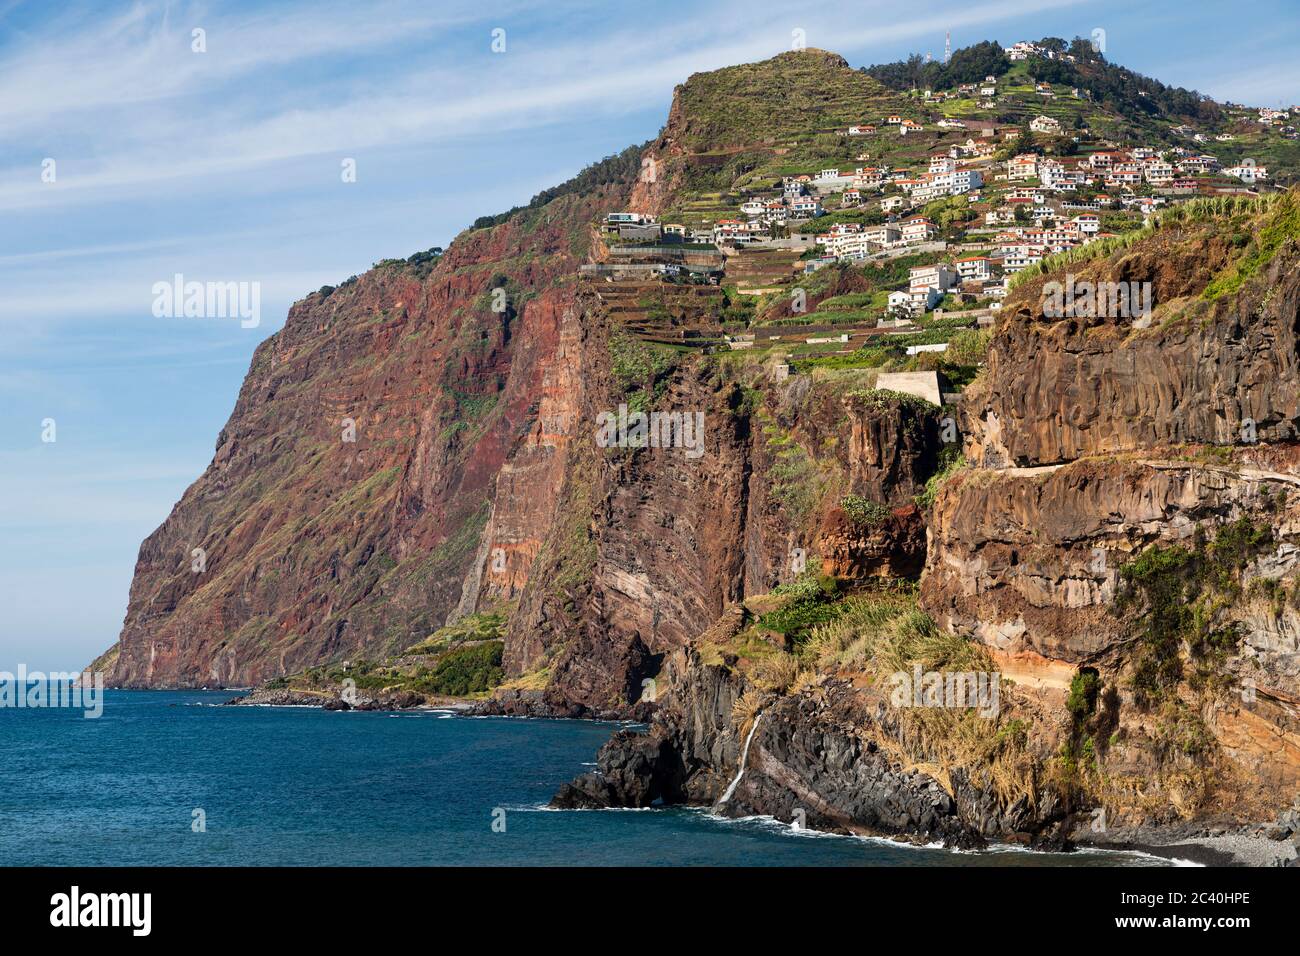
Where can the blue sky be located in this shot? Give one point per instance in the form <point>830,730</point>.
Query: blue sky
<point>225,165</point>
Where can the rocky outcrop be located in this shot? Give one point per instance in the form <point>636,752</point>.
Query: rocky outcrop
<point>1029,559</point>
<point>1055,550</point>
<point>825,759</point>
<point>1197,370</point>
<point>892,547</point>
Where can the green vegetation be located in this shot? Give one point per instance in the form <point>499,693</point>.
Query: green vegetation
<point>771,100</point>
<point>472,669</point>
<point>1280,220</point>
<point>888,352</point>
<point>1280,224</point>
<point>951,461</point>
<point>1120,90</point>
<point>967,65</point>
<point>418,263</point>
<point>795,478</point>
<point>1181,591</point>
<point>796,619</point>
<point>969,346</point>
<point>481,626</point>
<point>641,370</point>
<point>1082,700</point>
<point>864,512</point>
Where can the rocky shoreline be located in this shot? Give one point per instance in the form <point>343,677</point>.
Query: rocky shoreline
<point>825,759</point>
<point>1266,844</point>
<point>325,700</point>
<point>658,767</point>
<point>643,770</point>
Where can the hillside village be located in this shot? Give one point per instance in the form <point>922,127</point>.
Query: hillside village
<point>902,231</point>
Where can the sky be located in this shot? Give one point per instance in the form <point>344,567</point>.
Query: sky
<point>133,148</point>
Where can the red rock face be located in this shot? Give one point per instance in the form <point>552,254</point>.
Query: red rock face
<point>316,547</point>
<point>650,545</point>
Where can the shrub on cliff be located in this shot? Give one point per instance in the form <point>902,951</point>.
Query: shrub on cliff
<point>1180,591</point>
<point>951,461</point>
<point>811,601</point>
<point>640,369</point>
<point>864,512</point>
<point>473,669</point>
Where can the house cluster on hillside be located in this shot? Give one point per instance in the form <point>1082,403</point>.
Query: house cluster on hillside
<point>852,240</point>
<point>967,203</point>
<point>1122,170</point>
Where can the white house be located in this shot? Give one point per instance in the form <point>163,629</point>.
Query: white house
<point>806,207</point>
<point>1248,173</point>
<point>898,303</point>
<point>1024,166</point>
<point>628,219</point>
<point>941,163</point>
<point>1158,172</point>
<point>1089,223</point>
<point>886,234</point>
<point>917,229</point>
<point>974,268</point>
<point>938,276</point>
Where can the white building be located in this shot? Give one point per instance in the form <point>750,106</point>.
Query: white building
<point>1248,173</point>
<point>939,276</point>
<point>974,268</point>
<point>1024,166</point>
<point>918,229</point>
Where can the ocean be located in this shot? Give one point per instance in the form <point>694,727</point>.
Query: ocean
<point>172,778</point>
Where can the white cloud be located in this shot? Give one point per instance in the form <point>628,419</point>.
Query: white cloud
<point>527,87</point>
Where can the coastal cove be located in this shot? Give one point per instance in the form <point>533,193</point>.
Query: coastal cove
<point>173,778</point>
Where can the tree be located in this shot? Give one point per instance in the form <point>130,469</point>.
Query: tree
<point>968,65</point>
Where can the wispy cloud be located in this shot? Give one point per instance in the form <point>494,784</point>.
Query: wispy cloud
<point>533,85</point>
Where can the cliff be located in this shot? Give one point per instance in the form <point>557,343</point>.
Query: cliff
<point>376,436</point>
<point>1132,512</point>
<point>1116,551</point>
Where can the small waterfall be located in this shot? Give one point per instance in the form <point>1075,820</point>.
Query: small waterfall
<point>744,755</point>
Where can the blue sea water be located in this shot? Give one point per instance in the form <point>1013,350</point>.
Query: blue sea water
<point>303,786</point>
